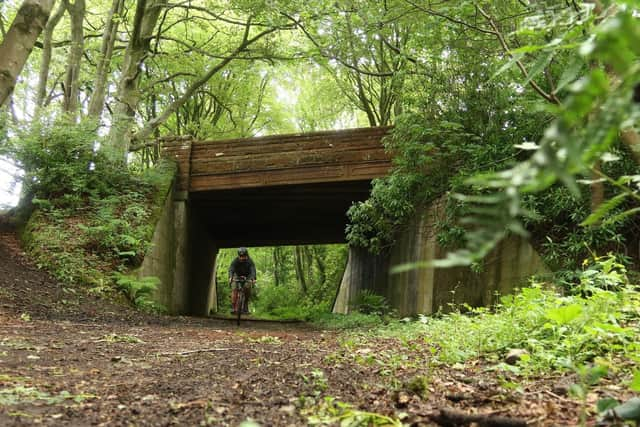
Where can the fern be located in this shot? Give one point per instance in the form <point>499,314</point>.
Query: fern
<point>139,290</point>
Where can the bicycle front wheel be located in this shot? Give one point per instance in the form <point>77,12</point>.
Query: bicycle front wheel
<point>239,306</point>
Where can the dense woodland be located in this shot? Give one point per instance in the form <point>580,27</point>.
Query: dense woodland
<point>521,114</point>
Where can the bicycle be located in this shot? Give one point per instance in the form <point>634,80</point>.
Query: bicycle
<point>239,286</point>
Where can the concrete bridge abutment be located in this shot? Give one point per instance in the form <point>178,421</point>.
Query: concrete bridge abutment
<point>182,255</point>
<point>428,290</point>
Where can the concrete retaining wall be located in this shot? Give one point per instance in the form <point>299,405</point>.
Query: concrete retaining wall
<point>427,290</point>
<point>160,259</point>
<point>182,256</point>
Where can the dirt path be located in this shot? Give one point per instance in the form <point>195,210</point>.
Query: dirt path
<point>71,359</point>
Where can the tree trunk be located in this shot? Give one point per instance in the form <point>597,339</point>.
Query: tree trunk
<point>631,139</point>
<point>279,269</point>
<point>365,101</point>
<point>299,263</point>
<point>128,96</point>
<point>72,78</point>
<point>19,40</point>
<point>318,257</point>
<point>96,104</point>
<point>47,50</point>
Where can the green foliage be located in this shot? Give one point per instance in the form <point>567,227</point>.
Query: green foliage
<point>63,166</point>
<point>284,302</point>
<point>557,233</point>
<point>588,376</point>
<point>435,153</point>
<point>425,157</point>
<point>287,299</point>
<point>279,293</point>
<point>419,385</point>
<point>18,391</point>
<point>491,117</point>
<point>560,332</point>
<point>317,381</point>
<point>627,411</point>
<point>331,411</point>
<point>368,302</point>
<point>91,216</point>
<point>57,247</point>
<point>22,394</point>
<point>598,106</point>
<point>591,334</point>
<point>603,272</point>
<point>140,291</point>
<point>635,383</point>
<point>119,227</point>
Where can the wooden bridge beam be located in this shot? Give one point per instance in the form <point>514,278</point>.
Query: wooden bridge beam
<point>330,156</point>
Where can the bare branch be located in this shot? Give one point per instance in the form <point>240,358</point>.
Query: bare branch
<point>169,78</point>
<point>336,58</point>
<point>551,97</point>
<point>449,18</point>
<point>62,43</point>
<point>195,86</point>
<point>399,52</point>
<point>218,17</point>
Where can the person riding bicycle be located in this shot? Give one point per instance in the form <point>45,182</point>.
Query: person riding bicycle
<point>242,267</point>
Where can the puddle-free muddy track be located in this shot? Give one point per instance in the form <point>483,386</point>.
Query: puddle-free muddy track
<point>71,359</point>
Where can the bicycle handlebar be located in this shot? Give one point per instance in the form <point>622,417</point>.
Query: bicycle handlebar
<point>241,280</point>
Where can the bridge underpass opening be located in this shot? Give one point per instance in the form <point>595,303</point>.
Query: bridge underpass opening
<point>276,190</point>
<point>305,214</point>
<point>293,282</point>
<point>295,190</point>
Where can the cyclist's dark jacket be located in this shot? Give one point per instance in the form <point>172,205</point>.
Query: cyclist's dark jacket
<point>242,268</point>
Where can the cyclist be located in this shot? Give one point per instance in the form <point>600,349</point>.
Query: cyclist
<point>242,266</point>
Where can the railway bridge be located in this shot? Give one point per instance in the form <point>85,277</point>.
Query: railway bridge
<point>263,191</point>
<point>296,189</point>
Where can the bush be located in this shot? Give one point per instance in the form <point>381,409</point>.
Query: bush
<point>418,148</point>
<point>63,165</point>
<point>561,239</point>
<point>282,302</point>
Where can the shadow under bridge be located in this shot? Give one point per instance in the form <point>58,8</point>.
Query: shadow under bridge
<point>279,215</point>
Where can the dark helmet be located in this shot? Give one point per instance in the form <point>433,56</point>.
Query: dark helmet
<point>243,251</point>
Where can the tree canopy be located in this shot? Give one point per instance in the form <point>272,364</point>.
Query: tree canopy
<point>508,97</point>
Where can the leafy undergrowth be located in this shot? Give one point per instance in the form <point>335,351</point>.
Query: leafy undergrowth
<point>87,242</point>
<point>591,335</point>
<point>88,213</point>
<point>598,323</point>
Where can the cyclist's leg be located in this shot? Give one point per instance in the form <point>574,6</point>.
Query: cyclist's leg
<point>234,299</point>
<point>240,303</point>
<point>247,296</point>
